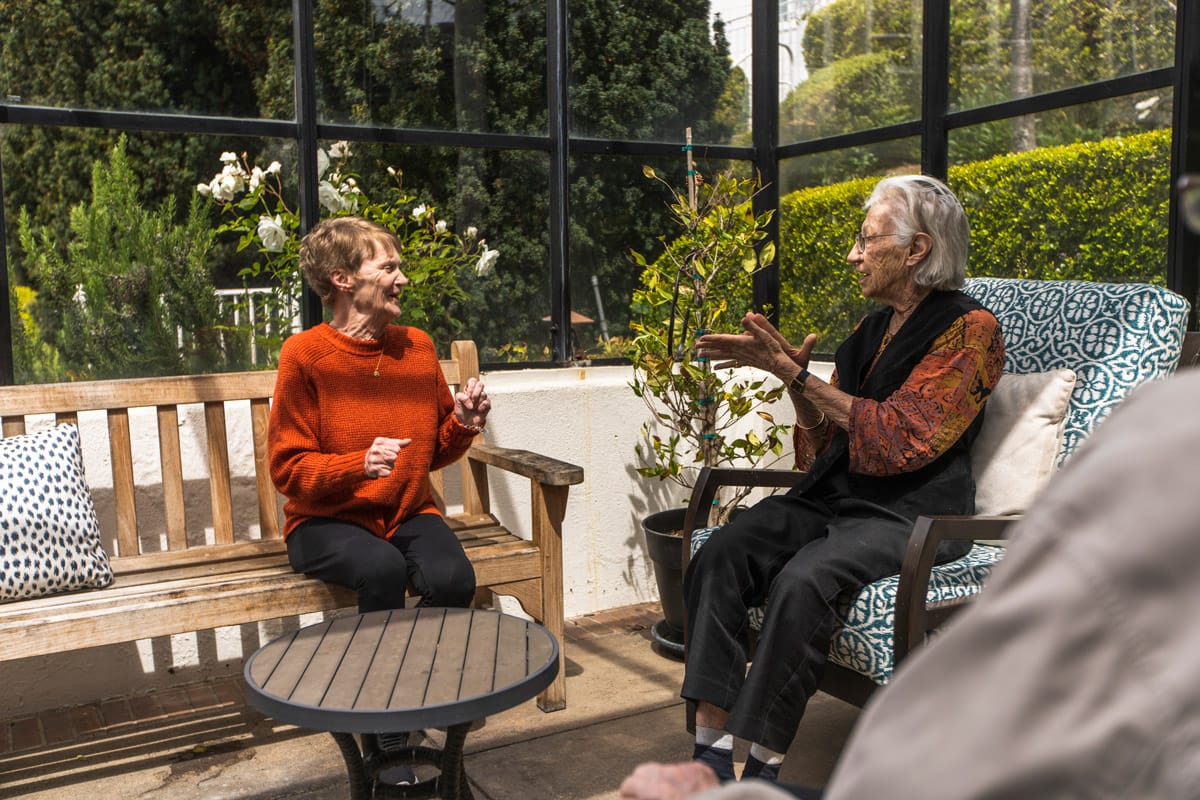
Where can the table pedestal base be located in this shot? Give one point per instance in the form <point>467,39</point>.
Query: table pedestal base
<point>367,764</point>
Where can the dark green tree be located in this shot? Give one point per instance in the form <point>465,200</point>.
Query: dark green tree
<point>132,294</point>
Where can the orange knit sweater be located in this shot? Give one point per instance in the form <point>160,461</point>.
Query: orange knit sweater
<point>327,410</point>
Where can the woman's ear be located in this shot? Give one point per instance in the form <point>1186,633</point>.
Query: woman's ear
<point>919,248</point>
<point>341,281</point>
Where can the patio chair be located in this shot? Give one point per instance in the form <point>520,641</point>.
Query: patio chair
<point>1074,350</point>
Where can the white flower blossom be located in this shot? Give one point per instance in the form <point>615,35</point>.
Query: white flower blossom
<point>329,197</point>
<point>204,190</point>
<point>274,168</point>
<point>271,231</point>
<point>339,149</point>
<point>487,262</point>
<point>391,171</point>
<point>256,178</point>
<point>440,226</point>
<point>229,157</point>
<point>420,211</point>
<point>322,162</point>
<point>472,232</point>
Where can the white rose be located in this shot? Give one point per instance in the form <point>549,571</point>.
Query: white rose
<point>440,226</point>
<point>225,187</point>
<point>322,162</point>
<point>472,232</point>
<point>229,157</point>
<point>256,178</point>
<point>204,190</point>
<point>339,149</point>
<point>487,262</point>
<point>329,197</point>
<point>272,233</point>
<point>420,211</point>
<point>274,168</point>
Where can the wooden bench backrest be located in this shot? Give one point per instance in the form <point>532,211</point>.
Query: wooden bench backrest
<point>66,401</point>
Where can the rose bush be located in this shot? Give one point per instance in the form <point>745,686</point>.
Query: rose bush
<point>434,257</point>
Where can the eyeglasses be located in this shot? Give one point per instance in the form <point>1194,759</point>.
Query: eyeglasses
<point>860,241</point>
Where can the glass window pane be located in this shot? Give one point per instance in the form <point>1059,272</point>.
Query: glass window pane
<point>227,59</point>
<point>1093,209</point>
<point>650,70</point>
<point>736,24</point>
<point>469,65</point>
<point>820,169</point>
<point>1006,50</point>
<point>862,67</point>
<point>817,221</point>
<point>115,258</point>
<point>616,208</point>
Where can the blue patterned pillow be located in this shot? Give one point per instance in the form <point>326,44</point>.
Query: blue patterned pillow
<point>1113,335</point>
<point>49,534</point>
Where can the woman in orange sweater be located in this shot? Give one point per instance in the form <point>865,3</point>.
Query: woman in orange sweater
<point>361,415</point>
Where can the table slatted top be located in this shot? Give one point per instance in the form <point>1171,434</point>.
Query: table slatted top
<point>401,670</point>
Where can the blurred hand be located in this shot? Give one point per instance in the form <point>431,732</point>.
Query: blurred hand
<point>381,456</point>
<point>760,345</point>
<point>653,781</point>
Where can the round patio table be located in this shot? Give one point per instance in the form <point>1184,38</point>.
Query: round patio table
<point>402,670</point>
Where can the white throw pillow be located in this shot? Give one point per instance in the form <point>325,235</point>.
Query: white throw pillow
<point>1017,449</point>
<point>49,534</point>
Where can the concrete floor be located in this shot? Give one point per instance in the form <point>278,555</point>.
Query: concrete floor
<point>622,709</point>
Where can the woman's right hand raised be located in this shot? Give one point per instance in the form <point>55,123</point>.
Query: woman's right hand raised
<point>381,457</point>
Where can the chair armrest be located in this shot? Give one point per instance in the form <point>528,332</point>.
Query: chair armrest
<point>711,479</point>
<point>913,617</point>
<point>542,469</point>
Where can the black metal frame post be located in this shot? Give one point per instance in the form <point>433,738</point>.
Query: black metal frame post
<point>7,368</point>
<point>558,118</point>
<point>935,88</point>
<point>1183,246</point>
<point>764,113</point>
<point>311,312</point>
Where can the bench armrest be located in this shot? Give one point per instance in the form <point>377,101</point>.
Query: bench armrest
<point>913,617</point>
<point>542,469</point>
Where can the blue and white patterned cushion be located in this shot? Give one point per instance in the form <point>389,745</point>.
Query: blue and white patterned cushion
<point>1114,336</point>
<point>49,533</point>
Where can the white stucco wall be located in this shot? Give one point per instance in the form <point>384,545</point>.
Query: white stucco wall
<point>585,415</point>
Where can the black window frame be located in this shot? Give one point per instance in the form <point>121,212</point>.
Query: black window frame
<point>764,154</point>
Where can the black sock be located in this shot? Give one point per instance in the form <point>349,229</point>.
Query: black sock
<point>719,758</point>
<point>758,769</point>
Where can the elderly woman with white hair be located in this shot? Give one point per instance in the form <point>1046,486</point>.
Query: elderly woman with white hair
<point>885,440</point>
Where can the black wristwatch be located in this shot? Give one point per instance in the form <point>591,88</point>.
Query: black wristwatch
<point>797,384</point>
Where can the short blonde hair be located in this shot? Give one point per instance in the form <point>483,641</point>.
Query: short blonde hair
<point>340,244</point>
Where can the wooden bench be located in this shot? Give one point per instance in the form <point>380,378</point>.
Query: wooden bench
<point>172,577</point>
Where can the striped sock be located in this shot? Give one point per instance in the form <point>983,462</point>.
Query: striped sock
<point>763,764</point>
<point>714,748</point>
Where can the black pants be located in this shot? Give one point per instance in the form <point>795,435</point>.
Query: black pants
<point>423,552</point>
<point>800,556</point>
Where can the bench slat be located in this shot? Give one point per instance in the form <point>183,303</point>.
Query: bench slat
<point>218,472</point>
<point>121,450</point>
<point>268,498</point>
<point>171,464</point>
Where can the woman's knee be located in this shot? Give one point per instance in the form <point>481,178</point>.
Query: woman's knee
<point>448,582</point>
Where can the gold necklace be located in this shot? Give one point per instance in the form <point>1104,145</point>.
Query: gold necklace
<point>379,360</point>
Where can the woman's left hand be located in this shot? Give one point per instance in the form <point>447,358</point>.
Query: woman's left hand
<point>471,404</point>
<point>760,346</point>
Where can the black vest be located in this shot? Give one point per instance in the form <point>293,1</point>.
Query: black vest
<point>942,487</point>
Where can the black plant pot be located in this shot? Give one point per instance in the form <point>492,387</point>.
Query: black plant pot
<point>664,544</point>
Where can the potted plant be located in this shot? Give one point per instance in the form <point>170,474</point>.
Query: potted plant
<point>699,416</point>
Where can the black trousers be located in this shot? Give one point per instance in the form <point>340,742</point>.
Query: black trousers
<point>800,555</point>
<point>423,552</point>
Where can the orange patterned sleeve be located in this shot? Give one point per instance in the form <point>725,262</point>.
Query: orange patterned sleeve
<point>932,409</point>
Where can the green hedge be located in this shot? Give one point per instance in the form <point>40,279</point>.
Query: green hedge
<point>1091,211</point>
